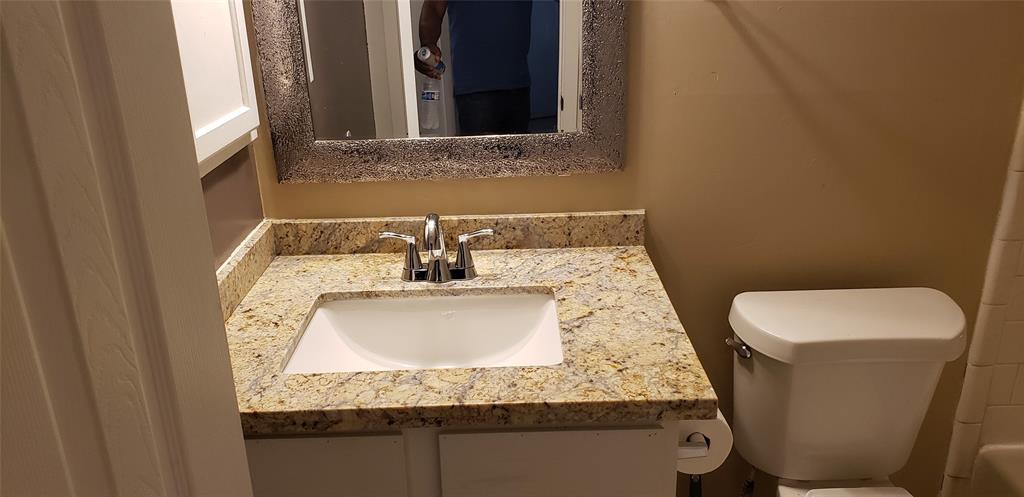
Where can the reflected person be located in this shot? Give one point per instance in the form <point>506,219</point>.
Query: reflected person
<point>490,42</point>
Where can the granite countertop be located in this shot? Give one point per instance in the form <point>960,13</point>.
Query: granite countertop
<point>627,357</point>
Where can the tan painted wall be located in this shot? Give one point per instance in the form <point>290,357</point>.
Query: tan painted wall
<point>231,193</point>
<point>341,97</point>
<point>783,145</point>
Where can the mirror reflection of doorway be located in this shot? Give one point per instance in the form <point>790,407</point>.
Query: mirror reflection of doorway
<point>501,62</point>
<point>543,61</point>
<point>375,93</point>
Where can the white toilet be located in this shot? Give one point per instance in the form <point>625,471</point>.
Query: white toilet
<point>837,383</point>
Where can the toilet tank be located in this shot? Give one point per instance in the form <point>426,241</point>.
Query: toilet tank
<point>838,381</point>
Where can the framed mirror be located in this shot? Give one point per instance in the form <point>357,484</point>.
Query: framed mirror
<point>383,90</point>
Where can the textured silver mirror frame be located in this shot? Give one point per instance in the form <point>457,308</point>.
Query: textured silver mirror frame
<point>597,147</point>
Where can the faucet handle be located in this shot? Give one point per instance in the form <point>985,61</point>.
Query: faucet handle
<point>464,258</point>
<point>412,255</point>
<point>473,234</point>
<point>391,234</point>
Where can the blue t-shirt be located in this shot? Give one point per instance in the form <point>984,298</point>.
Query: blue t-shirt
<point>490,44</point>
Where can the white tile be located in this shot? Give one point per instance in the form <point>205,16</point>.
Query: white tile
<point>955,487</point>
<point>1011,344</point>
<point>974,395</point>
<point>999,274</point>
<point>987,332</point>
<point>1003,424</point>
<point>1001,388</point>
<point>963,448</point>
<point>1018,389</point>
<point>1015,307</point>
<point>1010,225</point>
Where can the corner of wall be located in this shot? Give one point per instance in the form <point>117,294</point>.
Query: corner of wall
<point>992,399</point>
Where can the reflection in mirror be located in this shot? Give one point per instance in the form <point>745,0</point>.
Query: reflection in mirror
<point>422,68</point>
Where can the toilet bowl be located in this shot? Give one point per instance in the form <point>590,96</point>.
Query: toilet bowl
<point>831,386</point>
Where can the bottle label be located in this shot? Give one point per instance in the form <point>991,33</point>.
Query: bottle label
<point>430,95</point>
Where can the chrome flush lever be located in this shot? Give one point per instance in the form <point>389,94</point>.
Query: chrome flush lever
<point>743,350</point>
<point>464,258</point>
<point>412,256</point>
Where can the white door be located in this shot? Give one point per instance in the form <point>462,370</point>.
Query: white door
<point>115,371</point>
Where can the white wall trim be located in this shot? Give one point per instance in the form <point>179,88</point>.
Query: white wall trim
<point>304,28</point>
<point>570,23</point>
<point>407,47</point>
<point>386,84</point>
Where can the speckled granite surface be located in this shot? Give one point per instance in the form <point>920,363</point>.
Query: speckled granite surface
<point>576,229</point>
<point>245,265</point>
<point>359,235</point>
<point>627,358</point>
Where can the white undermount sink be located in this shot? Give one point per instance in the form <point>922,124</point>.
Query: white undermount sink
<point>427,332</point>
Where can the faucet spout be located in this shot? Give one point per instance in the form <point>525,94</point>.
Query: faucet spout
<point>437,256</point>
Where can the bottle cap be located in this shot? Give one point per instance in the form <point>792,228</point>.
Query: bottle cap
<point>423,54</point>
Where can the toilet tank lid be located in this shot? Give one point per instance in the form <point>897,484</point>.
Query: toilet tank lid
<point>856,325</point>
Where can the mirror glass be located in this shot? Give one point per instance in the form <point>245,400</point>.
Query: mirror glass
<point>428,68</point>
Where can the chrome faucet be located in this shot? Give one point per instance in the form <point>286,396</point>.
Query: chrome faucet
<point>437,256</point>
<point>437,269</point>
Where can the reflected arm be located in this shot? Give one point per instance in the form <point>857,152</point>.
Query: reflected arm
<point>430,22</point>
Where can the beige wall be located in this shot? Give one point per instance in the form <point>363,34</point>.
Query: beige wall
<point>231,193</point>
<point>341,97</point>
<point>783,145</point>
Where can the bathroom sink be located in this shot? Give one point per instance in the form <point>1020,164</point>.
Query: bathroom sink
<point>428,332</point>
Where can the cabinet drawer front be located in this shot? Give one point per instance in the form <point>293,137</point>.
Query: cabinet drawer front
<point>624,462</point>
<point>358,466</point>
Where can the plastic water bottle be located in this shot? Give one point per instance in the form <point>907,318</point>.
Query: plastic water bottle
<point>430,103</point>
<point>430,97</point>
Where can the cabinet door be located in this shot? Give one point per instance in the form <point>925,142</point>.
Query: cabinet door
<point>214,50</point>
<point>623,462</point>
<point>356,466</point>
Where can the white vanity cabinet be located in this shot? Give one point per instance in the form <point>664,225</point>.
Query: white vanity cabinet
<point>214,49</point>
<point>614,462</point>
<point>363,466</point>
<point>635,461</point>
